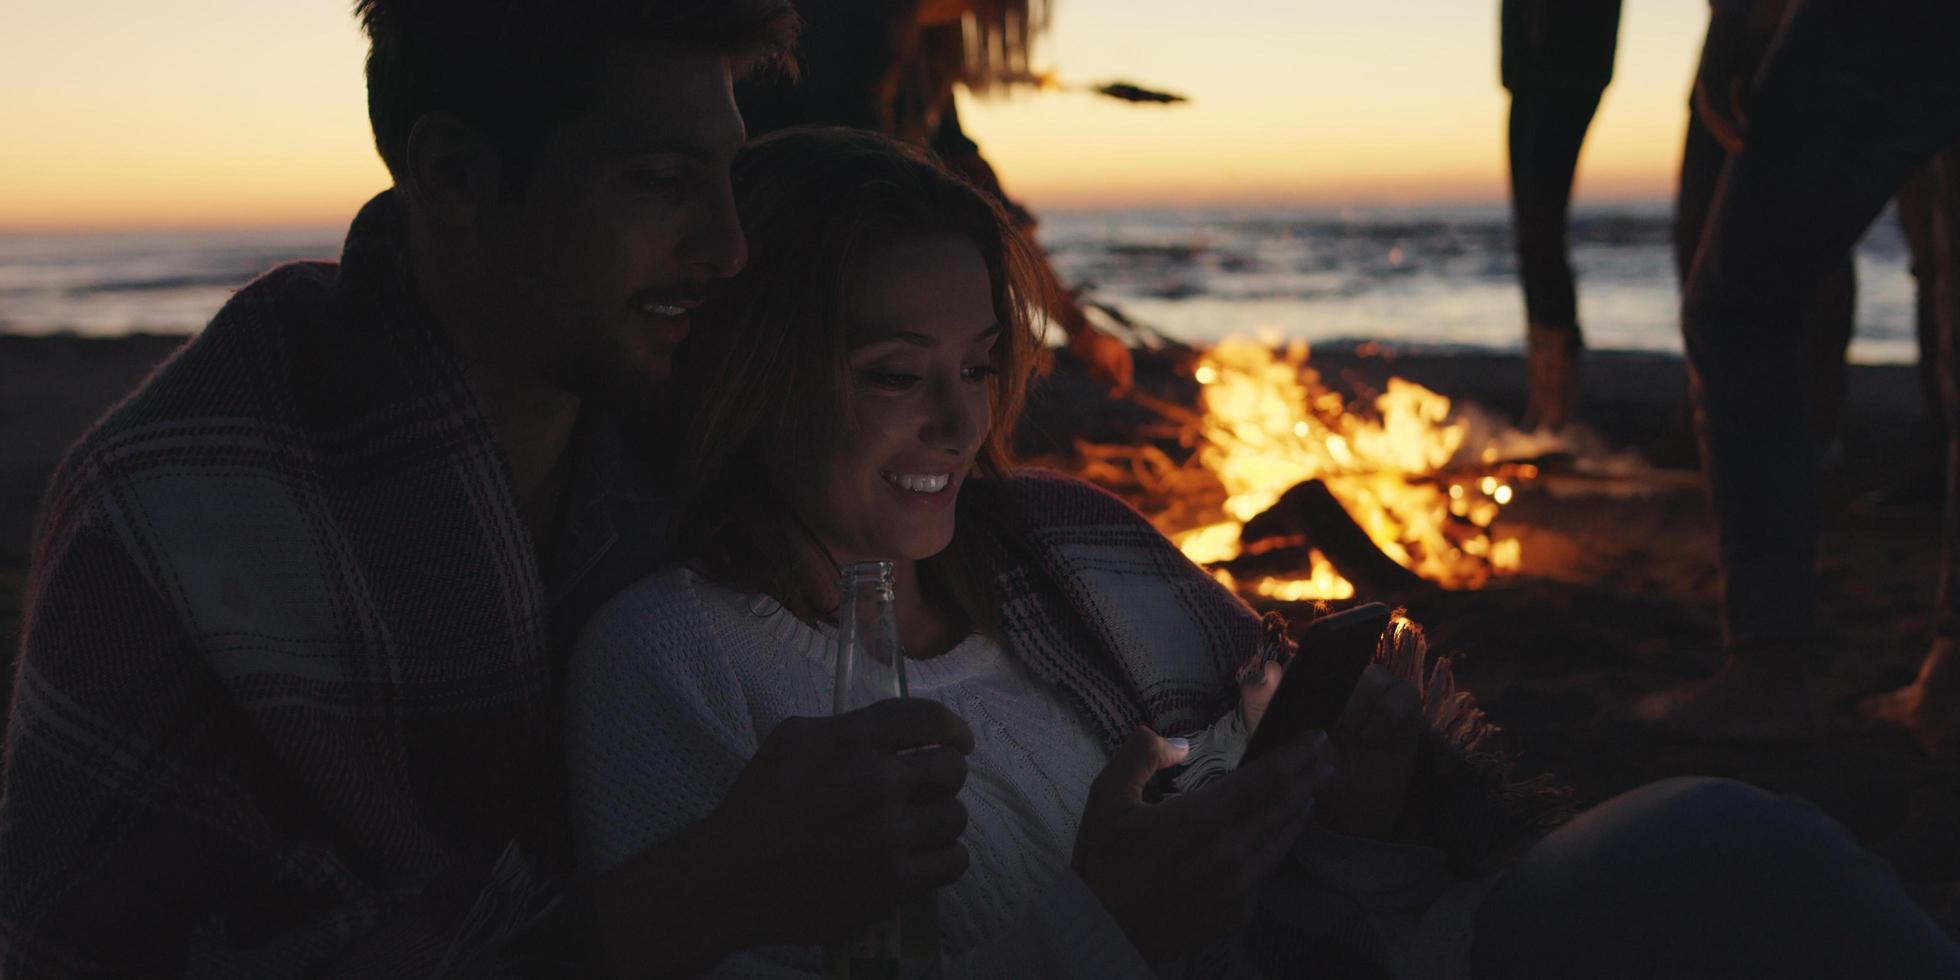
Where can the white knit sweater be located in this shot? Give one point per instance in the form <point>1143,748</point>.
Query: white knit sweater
<point>676,681</point>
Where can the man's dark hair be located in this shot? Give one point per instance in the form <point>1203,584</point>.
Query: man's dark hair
<point>516,67</point>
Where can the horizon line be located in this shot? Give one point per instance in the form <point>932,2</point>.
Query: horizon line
<point>1382,205</point>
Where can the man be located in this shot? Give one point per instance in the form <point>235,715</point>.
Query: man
<point>287,698</point>
<point>1856,96</point>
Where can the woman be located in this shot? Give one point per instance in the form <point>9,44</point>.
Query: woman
<point>849,397</point>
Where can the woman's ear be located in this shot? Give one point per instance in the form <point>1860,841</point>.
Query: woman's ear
<point>450,170</point>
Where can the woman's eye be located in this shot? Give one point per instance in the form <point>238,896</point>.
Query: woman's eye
<point>980,372</point>
<point>892,380</point>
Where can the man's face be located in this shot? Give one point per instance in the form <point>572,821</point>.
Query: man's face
<point>625,217</point>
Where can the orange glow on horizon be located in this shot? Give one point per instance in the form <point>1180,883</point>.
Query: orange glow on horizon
<point>129,115</point>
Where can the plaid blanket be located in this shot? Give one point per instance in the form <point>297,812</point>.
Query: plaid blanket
<point>1096,601</point>
<point>286,701</point>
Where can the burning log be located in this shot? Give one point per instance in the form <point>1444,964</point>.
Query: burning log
<point>1310,511</point>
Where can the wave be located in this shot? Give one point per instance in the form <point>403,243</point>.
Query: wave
<point>229,280</point>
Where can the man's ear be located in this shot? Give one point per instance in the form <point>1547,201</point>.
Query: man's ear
<point>451,169</point>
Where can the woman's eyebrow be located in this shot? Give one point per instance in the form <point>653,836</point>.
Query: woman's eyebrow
<point>869,336</point>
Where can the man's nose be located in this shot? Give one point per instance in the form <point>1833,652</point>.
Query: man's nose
<point>716,245</point>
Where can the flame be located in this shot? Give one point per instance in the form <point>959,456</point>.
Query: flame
<point>1270,423</point>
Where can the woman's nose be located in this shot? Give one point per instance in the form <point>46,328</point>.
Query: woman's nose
<point>956,419</point>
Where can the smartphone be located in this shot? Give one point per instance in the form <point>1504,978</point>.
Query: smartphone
<point>1334,650</point>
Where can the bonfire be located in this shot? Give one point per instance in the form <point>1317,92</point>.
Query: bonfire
<point>1294,491</point>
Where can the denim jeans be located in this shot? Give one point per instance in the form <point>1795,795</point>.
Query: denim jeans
<point>1856,96</point>
<point>1704,878</point>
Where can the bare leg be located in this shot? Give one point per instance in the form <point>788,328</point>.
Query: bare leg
<point>1929,708</point>
<point>1547,130</point>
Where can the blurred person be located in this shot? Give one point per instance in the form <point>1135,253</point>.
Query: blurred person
<point>887,308</point>
<point>1557,59</point>
<point>1853,99</point>
<point>1923,478</point>
<point>288,696</point>
<point>1718,109</point>
<point>1732,54</point>
<point>893,68</point>
<point>1929,707</point>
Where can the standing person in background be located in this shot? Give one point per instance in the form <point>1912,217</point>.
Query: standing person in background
<point>1557,58</point>
<point>1929,208</point>
<point>1923,477</point>
<point>892,68</point>
<point>1855,96</point>
<point>1718,112</point>
<point>1718,109</point>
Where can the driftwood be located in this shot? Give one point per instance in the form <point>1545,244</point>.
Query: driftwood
<point>1309,511</point>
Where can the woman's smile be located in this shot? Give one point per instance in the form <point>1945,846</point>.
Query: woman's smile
<point>923,332</point>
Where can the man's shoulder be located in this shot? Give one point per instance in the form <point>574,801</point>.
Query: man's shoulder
<point>231,369</point>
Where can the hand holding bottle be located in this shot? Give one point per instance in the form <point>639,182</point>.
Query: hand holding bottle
<point>839,818</point>
<point>825,829</point>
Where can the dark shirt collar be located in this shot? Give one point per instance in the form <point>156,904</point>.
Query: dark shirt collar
<point>615,523</point>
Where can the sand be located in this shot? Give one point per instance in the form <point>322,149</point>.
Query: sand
<point>1616,597</point>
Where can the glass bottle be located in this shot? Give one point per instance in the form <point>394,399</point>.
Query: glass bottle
<point>903,945</point>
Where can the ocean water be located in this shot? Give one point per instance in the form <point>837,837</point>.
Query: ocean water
<point>1417,277</point>
<point>113,284</point>
<point>1430,278</point>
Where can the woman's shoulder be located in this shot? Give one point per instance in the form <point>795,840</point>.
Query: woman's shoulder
<point>663,622</point>
<point>677,620</point>
<point>665,596</point>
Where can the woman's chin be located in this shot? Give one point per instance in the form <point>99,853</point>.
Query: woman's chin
<point>921,546</point>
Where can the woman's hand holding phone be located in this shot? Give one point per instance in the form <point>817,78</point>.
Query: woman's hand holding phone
<point>1179,874</point>
<point>1373,718</point>
<point>1374,747</point>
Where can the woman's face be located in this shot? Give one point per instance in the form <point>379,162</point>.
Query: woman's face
<point>920,317</point>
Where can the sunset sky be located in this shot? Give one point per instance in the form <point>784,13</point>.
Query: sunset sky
<point>119,113</point>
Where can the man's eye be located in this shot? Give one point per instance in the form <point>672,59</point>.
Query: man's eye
<point>893,380</point>
<point>657,180</point>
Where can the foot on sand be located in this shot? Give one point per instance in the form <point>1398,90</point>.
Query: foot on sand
<point>1929,707</point>
<point>1552,366</point>
<point>1748,700</point>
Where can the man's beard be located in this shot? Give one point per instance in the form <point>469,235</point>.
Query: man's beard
<point>601,372</point>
